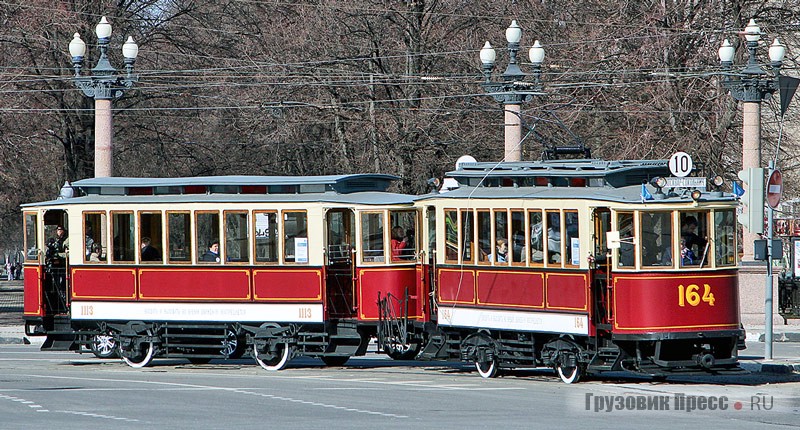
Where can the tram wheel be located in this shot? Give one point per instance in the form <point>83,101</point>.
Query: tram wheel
<point>274,361</point>
<point>272,358</point>
<point>569,375</point>
<point>335,360</point>
<point>143,357</point>
<point>233,346</point>
<point>104,346</point>
<point>487,369</point>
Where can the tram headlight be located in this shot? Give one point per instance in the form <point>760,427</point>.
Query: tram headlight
<point>716,181</point>
<point>696,195</point>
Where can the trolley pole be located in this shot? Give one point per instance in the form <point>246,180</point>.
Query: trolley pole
<point>511,90</point>
<point>103,85</point>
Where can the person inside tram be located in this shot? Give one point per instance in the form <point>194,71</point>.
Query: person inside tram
<point>57,248</point>
<point>212,254</point>
<point>95,253</point>
<point>554,238</point>
<point>56,261</point>
<point>399,242</point>
<point>693,241</point>
<point>500,254</point>
<point>688,256</point>
<point>149,252</point>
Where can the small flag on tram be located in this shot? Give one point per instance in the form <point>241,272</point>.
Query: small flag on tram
<point>646,194</point>
<point>737,189</point>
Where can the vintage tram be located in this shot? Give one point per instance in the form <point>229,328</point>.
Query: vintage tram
<point>579,265</point>
<point>582,266</point>
<point>209,267</point>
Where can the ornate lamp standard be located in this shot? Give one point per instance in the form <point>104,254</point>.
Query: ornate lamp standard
<point>751,85</point>
<point>510,90</point>
<point>103,85</point>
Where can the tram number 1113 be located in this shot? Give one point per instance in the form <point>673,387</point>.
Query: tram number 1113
<point>691,295</point>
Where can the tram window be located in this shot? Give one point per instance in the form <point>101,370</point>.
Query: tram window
<point>179,237</point>
<point>516,246</point>
<point>572,245</point>
<point>431,227</point>
<point>403,235</point>
<point>725,237</point>
<point>237,240</point>
<point>150,237</point>
<point>206,236</point>
<point>31,228</point>
<point>500,247</point>
<point>124,241</point>
<point>467,232</point>
<point>94,232</point>
<point>537,236</point>
<point>266,234</point>
<point>295,233</point>
<point>656,238</point>
<point>694,234</point>
<point>554,234</point>
<point>451,235</point>
<point>339,233</point>
<point>485,248</point>
<point>372,237</point>
<point>627,240</point>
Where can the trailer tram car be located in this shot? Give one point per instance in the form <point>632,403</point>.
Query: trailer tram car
<point>605,269</point>
<point>299,267</point>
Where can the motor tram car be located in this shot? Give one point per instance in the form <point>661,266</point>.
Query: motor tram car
<point>582,266</point>
<point>209,267</point>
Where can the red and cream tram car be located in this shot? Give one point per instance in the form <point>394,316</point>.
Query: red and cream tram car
<point>211,267</point>
<point>582,266</point>
<point>579,265</point>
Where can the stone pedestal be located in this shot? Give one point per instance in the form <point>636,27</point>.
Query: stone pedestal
<point>752,286</point>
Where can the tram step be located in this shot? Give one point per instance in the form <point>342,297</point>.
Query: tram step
<point>61,343</point>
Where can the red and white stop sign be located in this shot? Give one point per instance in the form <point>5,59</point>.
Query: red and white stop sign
<point>774,188</point>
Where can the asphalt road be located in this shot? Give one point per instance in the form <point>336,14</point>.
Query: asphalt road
<point>69,391</point>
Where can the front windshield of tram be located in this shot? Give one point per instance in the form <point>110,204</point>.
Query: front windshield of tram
<point>682,239</point>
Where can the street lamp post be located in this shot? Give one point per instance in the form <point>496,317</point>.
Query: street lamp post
<point>511,90</point>
<point>751,85</point>
<point>103,85</point>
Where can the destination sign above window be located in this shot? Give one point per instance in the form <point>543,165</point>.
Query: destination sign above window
<point>685,182</point>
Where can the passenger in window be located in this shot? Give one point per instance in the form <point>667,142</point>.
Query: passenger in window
<point>500,254</point>
<point>399,242</point>
<point>149,252</point>
<point>554,238</point>
<point>212,255</point>
<point>688,256</point>
<point>95,253</point>
<point>693,242</point>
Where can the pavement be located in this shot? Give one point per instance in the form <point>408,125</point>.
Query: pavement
<point>12,331</point>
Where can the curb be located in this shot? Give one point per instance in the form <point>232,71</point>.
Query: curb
<point>773,368</point>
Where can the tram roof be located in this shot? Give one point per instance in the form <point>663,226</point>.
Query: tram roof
<point>357,198</point>
<point>617,173</point>
<point>228,184</point>
<point>628,194</point>
<point>368,189</point>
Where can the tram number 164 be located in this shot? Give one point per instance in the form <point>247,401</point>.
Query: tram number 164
<point>691,295</point>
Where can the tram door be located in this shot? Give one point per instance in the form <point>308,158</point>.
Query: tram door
<point>53,275</point>
<point>339,284</point>
<point>601,290</point>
